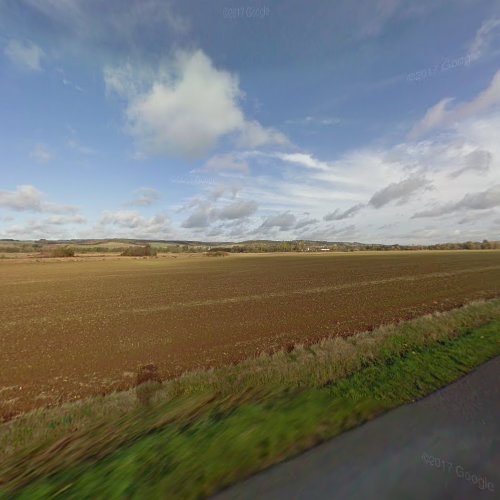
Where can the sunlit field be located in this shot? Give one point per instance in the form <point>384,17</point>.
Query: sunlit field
<point>80,327</point>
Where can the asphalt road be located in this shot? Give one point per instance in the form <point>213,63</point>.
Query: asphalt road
<point>445,446</point>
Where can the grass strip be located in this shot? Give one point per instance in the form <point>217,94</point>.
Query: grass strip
<point>232,439</point>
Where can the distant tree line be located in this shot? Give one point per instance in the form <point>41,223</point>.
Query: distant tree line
<point>302,246</point>
<point>139,251</point>
<point>250,247</point>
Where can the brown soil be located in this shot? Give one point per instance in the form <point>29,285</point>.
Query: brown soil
<point>72,328</point>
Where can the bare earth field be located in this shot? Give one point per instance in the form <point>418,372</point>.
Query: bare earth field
<point>78,327</point>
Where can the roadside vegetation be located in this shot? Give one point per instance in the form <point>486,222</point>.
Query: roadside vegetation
<point>192,436</point>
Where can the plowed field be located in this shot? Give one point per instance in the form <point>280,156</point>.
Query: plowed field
<point>73,328</point>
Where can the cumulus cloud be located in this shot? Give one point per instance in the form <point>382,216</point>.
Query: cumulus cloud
<point>133,224</point>
<point>24,54</point>
<point>205,212</point>
<point>442,114</point>
<point>41,153</point>
<point>345,214</point>
<point>482,200</point>
<point>145,196</point>
<point>28,198</point>
<point>199,218</point>
<point>185,107</point>
<point>399,191</point>
<point>237,210</point>
<point>409,176</point>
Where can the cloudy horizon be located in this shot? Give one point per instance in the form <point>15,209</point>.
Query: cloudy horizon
<point>232,122</point>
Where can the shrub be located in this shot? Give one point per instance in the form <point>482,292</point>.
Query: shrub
<point>10,249</point>
<point>217,253</point>
<point>147,383</point>
<point>58,252</point>
<point>139,251</point>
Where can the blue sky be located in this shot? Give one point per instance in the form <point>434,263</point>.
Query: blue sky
<point>374,121</point>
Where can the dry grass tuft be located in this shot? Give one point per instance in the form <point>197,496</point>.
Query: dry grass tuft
<point>148,382</point>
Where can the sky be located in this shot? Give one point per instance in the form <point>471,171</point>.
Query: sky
<point>372,120</point>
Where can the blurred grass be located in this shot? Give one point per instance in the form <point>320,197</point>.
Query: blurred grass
<point>208,429</point>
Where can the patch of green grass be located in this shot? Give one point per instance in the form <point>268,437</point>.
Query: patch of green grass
<point>225,440</point>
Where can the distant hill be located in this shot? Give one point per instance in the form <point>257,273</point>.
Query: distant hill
<point>248,246</point>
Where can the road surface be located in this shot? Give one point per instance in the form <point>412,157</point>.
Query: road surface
<point>445,446</point>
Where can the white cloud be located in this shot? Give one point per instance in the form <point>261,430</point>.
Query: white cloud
<point>226,162</point>
<point>305,222</point>
<point>24,54</point>
<point>254,135</point>
<point>442,114</point>
<point>185,107</point>
<point>28,198</point>
<point>60,220</point>
<point>484,37</point>
<point>490,198</point>
<point>400,181</point>
<point>237,210</point>
<point>303,159</point>
<point>332,233</point>
<point>433,118</point>
<point>221,189</point>
<point>205,212</point>
<point>199,218</point>
<point>307,160</point>
<point>314,120</point>
<point>41,153</point>
<point>400,191</point>
<point>475,217</point>
<point>135,225</point>
<point>283,221</point>
<point>53,227</point>
<point>146,196</point>
<point>345,214</point>
<point>476,161</point>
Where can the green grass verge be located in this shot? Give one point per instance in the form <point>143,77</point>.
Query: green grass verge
<point>224,440</point>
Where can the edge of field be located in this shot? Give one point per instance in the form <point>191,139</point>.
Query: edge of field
<point>197,434</point>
